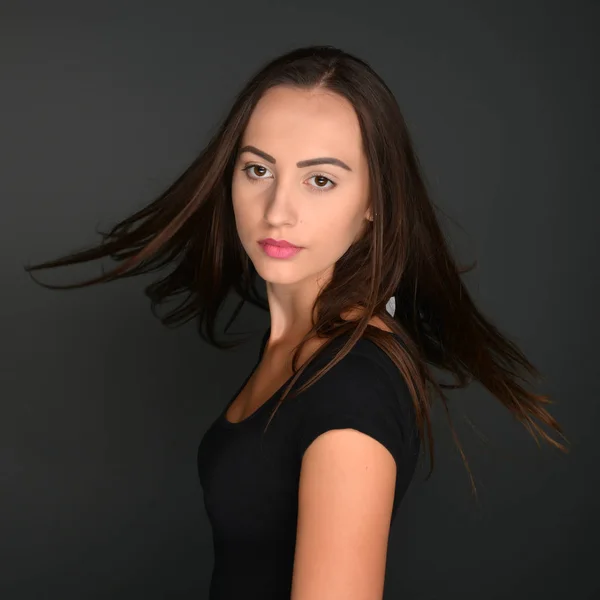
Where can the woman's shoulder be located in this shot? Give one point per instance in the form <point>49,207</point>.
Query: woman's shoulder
<point>365,367</point>
<point>353,314</point>
<point>365,390</point>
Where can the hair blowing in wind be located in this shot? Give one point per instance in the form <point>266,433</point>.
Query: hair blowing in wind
<point>190,230</point>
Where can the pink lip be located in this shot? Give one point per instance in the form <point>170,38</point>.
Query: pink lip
<point>280,243</point>
<point>278,251</point>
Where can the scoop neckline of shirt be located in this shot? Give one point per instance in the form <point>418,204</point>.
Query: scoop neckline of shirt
<point>224,421</point>
<point>232,425</point>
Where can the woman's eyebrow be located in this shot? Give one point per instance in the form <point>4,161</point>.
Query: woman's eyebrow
<point>325,160</point>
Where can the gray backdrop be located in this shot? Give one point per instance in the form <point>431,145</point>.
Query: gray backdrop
<point>102,106</point>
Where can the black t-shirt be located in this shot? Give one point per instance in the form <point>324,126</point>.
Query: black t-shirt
<point>250,478</point>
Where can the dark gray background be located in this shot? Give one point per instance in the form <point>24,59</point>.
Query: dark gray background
<point>103,105</point>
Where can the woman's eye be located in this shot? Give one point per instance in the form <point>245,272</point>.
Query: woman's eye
<point>323,178</point>
<point>248,168</point>
<point>256,172</point>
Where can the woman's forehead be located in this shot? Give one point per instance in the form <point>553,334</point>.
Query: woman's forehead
<point>295,125</point>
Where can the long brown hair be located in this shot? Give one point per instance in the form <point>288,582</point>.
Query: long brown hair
<point>191,226</point>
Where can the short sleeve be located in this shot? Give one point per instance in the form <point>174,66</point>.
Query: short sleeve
<point>356,394</point>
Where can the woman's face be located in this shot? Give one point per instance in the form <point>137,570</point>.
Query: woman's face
<point>320,207</point>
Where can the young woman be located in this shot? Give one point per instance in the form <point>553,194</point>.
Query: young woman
<point>312,183</point>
